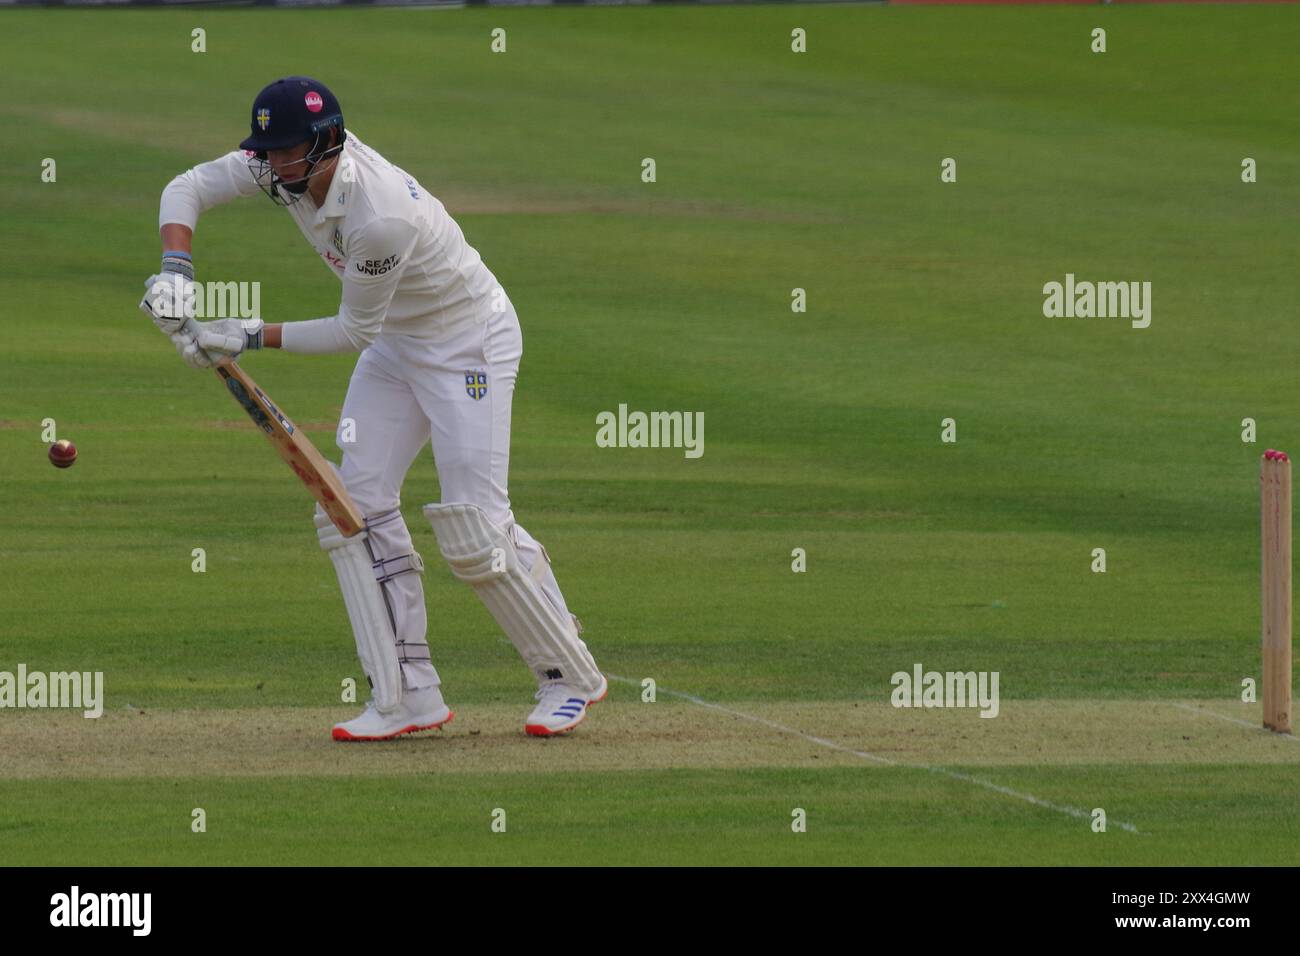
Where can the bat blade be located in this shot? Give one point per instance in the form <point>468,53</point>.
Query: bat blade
<point>295,448</point>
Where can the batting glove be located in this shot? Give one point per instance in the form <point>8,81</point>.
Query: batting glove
<point>224,338</point>
<point>169,300</point>
<point>188,346</point>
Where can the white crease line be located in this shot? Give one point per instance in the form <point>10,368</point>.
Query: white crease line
<point>760,720</point>
<point>1233,720</point>
<point>943,771</point>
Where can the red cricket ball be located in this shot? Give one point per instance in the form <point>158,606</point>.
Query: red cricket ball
<point>63,453</point>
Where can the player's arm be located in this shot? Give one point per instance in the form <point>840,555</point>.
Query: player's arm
<point>377,256</point>
<point>169,294</point>
<point>192,193</point>
<point>197,190</point>
<point>378,253</point>
<point>177,238</point>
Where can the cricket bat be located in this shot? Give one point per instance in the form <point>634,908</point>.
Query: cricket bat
<point>296,449</point>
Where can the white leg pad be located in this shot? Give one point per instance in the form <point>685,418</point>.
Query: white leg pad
<point>484,557</point>
<point>398,570</point>
<point>371,624</point>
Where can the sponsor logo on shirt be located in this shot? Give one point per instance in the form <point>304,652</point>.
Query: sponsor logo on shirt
<point>377,267</point>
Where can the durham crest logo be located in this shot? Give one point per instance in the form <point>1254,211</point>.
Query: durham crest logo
<point>476,384</point>
<point>264,118</point>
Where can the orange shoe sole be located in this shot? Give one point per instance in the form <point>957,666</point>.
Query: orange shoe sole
<point>539,730</point>
<point>341,734</point>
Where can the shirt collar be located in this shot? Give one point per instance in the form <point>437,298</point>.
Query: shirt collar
<point>336,198</point>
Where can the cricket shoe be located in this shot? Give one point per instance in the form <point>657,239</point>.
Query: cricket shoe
<point>419,710</point>
<point>560,708</point>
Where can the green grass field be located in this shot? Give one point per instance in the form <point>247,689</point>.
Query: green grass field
<point>775,171</point>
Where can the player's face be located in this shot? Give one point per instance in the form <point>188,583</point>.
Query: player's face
<point>289,164</point>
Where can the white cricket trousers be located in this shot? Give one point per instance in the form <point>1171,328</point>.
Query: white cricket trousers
<point>456,393</point>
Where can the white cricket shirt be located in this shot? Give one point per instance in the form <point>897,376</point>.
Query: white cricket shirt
<point>403,261</point>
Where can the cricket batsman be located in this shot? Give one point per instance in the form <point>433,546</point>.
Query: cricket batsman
<point>439,345</point>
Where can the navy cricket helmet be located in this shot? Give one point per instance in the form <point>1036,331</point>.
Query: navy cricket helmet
<point>292,110</point>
